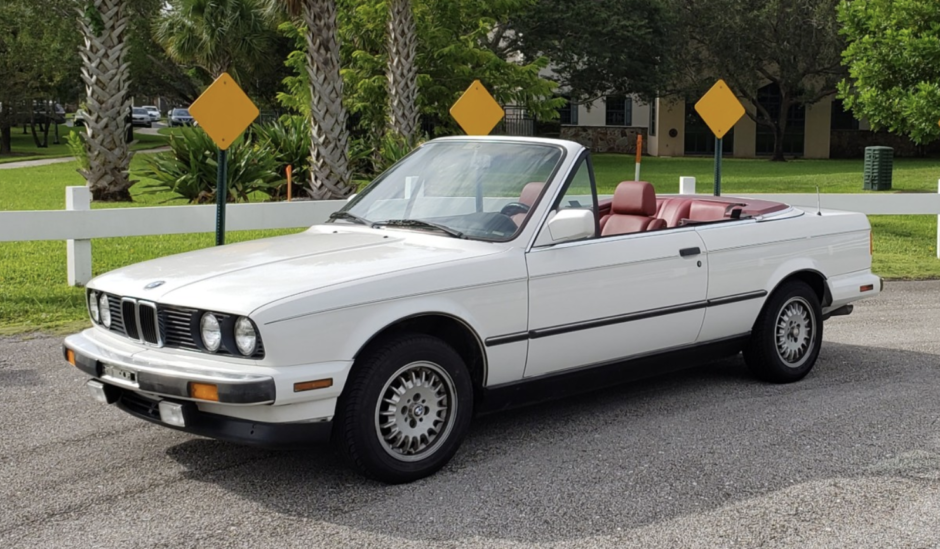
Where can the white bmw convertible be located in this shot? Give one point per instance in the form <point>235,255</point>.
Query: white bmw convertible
<point>476,274</point>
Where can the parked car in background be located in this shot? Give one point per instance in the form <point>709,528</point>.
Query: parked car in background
<point>153,111</point>
<point>140,117</point>
<point>477,274</point>
<point>180,117</point>
<point>79,118</point>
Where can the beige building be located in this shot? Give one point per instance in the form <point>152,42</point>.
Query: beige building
<point>671,127</point>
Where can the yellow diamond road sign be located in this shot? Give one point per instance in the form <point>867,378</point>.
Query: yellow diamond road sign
<point>720,109</point>
<point>476,111</point>
<point>224,111</point>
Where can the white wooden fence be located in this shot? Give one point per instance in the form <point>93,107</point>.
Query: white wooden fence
<point>78,224</point>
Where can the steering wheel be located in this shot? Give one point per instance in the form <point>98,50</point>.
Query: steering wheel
<point>514,208</point>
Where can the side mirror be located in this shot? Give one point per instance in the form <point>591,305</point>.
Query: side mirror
<point>571,224</point>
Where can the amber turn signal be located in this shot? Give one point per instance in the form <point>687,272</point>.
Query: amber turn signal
<point>866,288</point>
<point>70,356</point>
<point>204,391</point>
<point>311,385</point>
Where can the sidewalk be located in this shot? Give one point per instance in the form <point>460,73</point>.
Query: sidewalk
<point>63,159</point>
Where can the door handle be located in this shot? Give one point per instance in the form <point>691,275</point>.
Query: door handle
<point>686,252</point>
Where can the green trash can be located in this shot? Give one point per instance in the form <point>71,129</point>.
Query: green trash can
<point>878,168</point>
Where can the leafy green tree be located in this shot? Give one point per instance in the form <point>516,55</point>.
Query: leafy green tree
<point>215,35</point>
<point>793,45</point>
<point>38,63</point>
<point>452,51</point>
<point>893,57</point>
<point>152,72</point>
<point>596,47</point>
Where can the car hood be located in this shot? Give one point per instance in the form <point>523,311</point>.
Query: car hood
<point>239,278</point>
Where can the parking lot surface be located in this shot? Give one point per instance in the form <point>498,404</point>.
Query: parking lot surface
<point>710,457</point>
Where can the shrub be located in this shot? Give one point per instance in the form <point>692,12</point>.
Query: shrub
<point>76,144</point>
<point>288,141</point>
<point>189,169</point>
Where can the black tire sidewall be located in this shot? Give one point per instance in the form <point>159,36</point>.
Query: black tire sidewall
<point>761,354</point>
<point>356,412</point>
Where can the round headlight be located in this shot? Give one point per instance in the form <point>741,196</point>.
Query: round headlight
<point>104,310</point>
<point>245,337</point>
<point>93,306</point>
<point>211,332</point>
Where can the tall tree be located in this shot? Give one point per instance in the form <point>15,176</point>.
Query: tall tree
<point>39,63</point>
<point>792,45</point>
<point>104,71</point>
<point>214,34</point>
<point>330,176</point>
<point>596,47</point>
<point>893,54</point>
<point>402,72</point>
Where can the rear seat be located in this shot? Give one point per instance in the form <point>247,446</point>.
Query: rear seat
<point>676,210</point>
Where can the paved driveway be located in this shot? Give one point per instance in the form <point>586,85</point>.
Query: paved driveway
<point>850,457</point>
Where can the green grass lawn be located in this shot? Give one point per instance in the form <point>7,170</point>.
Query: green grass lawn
<point>33,277</point>
<point>24,148</point>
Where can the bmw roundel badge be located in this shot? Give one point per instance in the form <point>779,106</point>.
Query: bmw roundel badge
<point>155,284</point>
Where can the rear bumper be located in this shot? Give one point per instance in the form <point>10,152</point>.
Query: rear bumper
<point>226,428</point>
<point>847,288</point>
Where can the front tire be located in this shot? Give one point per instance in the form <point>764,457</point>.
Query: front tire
<point>406,409</point>
<point>787,336</point>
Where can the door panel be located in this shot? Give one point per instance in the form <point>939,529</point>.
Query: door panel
<point>613,297</point>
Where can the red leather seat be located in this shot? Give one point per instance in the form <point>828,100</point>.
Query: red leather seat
<point>632,210</point>
<point>707,210</point>
<point>674,209</point>
<point>529,195</point>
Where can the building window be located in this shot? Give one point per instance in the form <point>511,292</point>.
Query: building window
<point>842,119</point>
<point>793,134</point>
<point>569,113</point>
<point>619,111</point>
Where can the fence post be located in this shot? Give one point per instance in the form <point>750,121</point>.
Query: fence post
<point>78,251</point>
<point>938,226</point>
<point>686,185</point>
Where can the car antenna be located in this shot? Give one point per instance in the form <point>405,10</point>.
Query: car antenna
<point>818,202</point>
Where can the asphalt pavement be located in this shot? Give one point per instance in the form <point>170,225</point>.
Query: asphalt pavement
<point>849,457</point>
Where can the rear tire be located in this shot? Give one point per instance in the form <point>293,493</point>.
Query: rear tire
<point>786,338</point>
<point>405,410</point>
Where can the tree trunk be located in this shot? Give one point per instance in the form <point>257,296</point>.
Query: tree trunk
<point>779,129</point>
<point>402,72</point>
<point>330,176</point>
<point>105,73</point>
<point>6,135</point>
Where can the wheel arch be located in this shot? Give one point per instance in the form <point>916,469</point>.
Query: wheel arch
<point>451,329</point>
<point>812,277</point>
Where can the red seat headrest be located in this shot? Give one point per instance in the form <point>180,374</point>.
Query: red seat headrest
<point>530,193</point>
<point>634,198</point>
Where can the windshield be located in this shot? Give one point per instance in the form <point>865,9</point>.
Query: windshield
<point>138,110</point>
<point>466,189</point>
<point>181,112</point>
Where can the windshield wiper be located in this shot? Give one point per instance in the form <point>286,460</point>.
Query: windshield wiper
<point>420,224</point>
<point>351,217</point>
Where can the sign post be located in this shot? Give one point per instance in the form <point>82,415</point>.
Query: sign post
<point>720,110</point>
<point>224,111</point>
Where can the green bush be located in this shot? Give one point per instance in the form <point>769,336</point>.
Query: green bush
<point>190,168</point>
<point>288,141</point>
<point>76,144</point>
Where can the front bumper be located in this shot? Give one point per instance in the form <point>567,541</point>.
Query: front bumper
<point>243,389</point>
<point>226,428</point>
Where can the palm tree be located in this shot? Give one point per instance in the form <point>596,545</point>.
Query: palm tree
<point>104,71</point>
<point>402,73</point>
<point>213,34</point>
<point>329,167</point>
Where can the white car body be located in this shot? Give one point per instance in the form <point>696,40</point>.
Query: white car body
<point>153,111</point>
<point>531,308</point>
<point>140,117</point>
